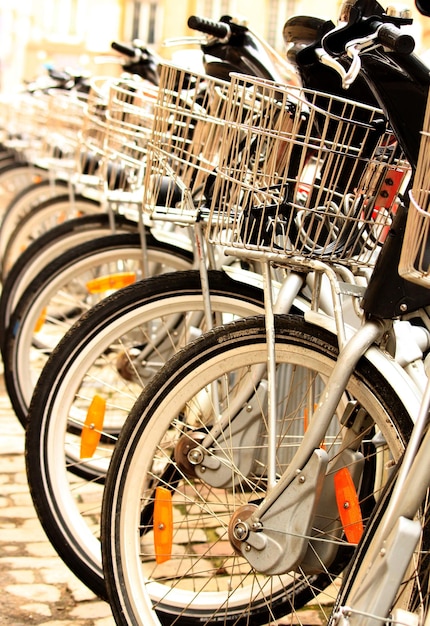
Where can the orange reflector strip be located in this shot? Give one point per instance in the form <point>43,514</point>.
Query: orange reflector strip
<point>111,282</point>
<point>305,419</point>
<point>163,524</point>
<point>306,423</point>
<point>348,505</point>
<point>92,429</point>
<point>40,322</point>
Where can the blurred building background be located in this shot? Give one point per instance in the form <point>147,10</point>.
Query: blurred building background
<point>77,33</point>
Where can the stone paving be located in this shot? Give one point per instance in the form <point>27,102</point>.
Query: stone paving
<point>36,586</point>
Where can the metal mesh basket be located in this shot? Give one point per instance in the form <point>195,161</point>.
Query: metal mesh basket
<point>65,115</point>
<point>90,151</point>
<point>25,121</point>
<point>304,175</point>
<point>415,257</point>
<point>185,144</point>
<point>129,120</point>
<point>45,126</point>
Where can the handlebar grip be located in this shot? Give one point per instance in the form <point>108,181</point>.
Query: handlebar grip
<point>393,38</point>
<point>128,51</point>
<point>210,27</point>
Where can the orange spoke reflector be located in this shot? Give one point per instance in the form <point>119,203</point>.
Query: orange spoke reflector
<point>163,524</point>
<point>306,423</point>
<point>111,282</point>
<point>92,429</point>
<point>348,505</point>
<point>40,322</point>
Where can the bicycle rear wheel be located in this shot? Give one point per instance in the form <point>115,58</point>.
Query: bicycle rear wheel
<point>201,577</point>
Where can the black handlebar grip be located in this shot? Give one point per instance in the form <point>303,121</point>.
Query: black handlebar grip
<point>210,27</point>
<point>128,51</point>
<point>393,38</point>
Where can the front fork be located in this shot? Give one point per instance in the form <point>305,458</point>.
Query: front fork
<point>281,532</point>
<point>276,536</point>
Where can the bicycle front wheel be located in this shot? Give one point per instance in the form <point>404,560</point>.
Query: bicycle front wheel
<point>198,575</point>
<point>63,291</point>
<point>20,230</point>
<point>71,234</point>
<point>389,578</point>
<point>98,370</point>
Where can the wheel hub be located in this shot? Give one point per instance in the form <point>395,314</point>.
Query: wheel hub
<point>238,529</point>
<point>187,452</point>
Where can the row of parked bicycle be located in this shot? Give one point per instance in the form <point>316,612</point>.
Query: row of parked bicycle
<point>216,323</point>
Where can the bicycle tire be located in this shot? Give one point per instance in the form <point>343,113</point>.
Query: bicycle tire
<point>47,248</point>
<point>58,296</point>
<point>177,592</point>
<point>85,363</point>
<point>22,202</point>
<point>38,220</point>
<point>15,176</point>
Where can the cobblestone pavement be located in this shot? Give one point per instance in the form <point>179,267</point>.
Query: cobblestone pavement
<point>36,586</point>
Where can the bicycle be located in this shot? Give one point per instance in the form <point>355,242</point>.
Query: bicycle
<point>239,49</point>
<point>104,218</point>
<point>117,324</point>
<point>35,207</point>
<point>116,334</point>
<point>19,139</point>
<point>388,579</point>
<point>236,47</point>
<point>25,120</point>
<point>252,461</point>
<point>146,322</point>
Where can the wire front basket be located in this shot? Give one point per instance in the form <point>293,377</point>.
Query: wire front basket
<point>25,119</point>
<point>65,115</point>
<point>185,144</point>
<point>304,175</point>
<point>90,151</point>
<point>415,257</point>
<point>129,120</point>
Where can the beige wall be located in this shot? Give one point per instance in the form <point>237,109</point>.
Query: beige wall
<point>25,44</point>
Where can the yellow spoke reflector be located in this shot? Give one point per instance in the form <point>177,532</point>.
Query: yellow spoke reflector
<point>348,505</point>
<point>40,322</point>
<point>163,524</point>
<point>92,428</point>
<point>111,282</point>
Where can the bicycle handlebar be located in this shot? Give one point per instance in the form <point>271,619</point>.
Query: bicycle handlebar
<point>127,51</point>
<point>381,29</point>
<point>392,37</point>
<point>357,36</point>
<point>221,30</point>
